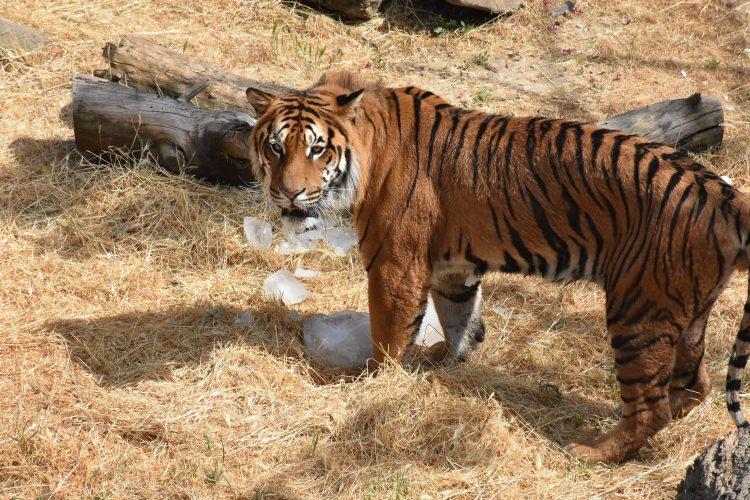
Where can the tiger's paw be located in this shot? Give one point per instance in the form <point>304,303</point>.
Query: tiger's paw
<point>439,353</point>
<point>583,452</point>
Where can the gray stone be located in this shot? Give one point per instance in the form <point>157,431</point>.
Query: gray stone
<point>494,6</point>
<point>722,471</point>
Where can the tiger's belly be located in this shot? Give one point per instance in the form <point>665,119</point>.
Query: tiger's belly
<point>473,262</point>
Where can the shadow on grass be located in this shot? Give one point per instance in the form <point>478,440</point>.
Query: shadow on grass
<point>415,16</point>
<point>43,154</point>
<point>124,349</point>
<point>445,432</point>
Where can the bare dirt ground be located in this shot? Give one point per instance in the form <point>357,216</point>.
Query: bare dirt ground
<point>122,373</point>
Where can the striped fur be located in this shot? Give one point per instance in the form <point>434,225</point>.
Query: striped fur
<point>443,195</point>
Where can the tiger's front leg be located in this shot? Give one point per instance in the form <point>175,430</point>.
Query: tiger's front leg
<point>397,294</point>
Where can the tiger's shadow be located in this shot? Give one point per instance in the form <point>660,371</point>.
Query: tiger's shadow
<point>472,409</point>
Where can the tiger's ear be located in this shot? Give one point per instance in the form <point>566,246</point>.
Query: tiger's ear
<point>348,103</point>
<point>258,99</point>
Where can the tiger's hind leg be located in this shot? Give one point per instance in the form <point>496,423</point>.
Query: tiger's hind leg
<point>459,308</point>
<point>644,359</point>
<point>690,383</point>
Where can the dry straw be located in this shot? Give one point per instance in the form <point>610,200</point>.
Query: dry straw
<point>122,373</point>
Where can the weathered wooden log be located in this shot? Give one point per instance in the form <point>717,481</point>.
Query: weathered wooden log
<point>721,471</point>
<point>109,118</point>
<point>146,65</point>
<point>692,124</point>
<point>20,39</point>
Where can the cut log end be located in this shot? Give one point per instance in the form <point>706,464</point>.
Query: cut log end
<point>694,124</point>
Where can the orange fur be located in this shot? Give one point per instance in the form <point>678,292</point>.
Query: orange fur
<point>442,195</point>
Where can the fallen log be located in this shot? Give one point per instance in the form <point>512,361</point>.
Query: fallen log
<point>146,65</point>
<point>109,118</point>
<point>692,124</point>
<point>20,39</point>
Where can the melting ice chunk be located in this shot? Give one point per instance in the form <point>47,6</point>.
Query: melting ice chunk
<point>303,273</point>
<point>293,244</point>
<point>342,339</point>
<point>339,340</point>
<point>502,312</point>
<point>283,284</point>
<point>340,239</point>
<point>258,232</point>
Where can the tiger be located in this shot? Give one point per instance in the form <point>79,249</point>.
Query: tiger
<point>443,195</point>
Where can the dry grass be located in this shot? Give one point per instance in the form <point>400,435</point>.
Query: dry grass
<point>122,373</point>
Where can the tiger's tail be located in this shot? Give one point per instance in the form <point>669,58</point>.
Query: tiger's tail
<point>737,362</point>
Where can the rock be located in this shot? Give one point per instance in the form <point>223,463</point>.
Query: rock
<point>565,8</point>
<point>494,6</point>
<point>722,471</point>
<point>284,285</point>
<point>354,9</point>
<point>258,232</point>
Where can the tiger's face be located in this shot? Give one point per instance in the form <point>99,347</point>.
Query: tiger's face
<point>303,149</point>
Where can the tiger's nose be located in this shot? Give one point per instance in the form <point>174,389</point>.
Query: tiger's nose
<point>291,194</point>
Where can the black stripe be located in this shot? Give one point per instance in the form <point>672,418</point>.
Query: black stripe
<point>394,98</point>
<point>553,239</point>
<point>738,361</point>
<point>734,385</point>
<point>477,142</point>
<point>517,242</point>
<point>673,181</point>
<point>460,145</point>
<point>480,265</point>
<point>448,139</point>
<point>463,296</point>
<point>435,126</point>
<point>495,222</point>
<point>417,108</point>
<point>375,256</point>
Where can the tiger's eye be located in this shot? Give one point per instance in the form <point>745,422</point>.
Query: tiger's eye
<point>316,150</point>
<point>276,148</point>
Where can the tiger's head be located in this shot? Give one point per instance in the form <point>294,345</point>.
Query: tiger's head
<point>305,150</point>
